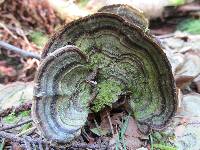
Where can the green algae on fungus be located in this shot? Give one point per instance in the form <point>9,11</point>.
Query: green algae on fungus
<point>98,60</point>
<point>94,60</point>
<point>108,92</point>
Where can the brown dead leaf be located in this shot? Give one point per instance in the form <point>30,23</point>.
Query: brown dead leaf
<point>132,135</point>
<point>7,71</point>
<point>183,81</point>
<point>32,13</point>
<point>190,66</point>
<point>132,129</point>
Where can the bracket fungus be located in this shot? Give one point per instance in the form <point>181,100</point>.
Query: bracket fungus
<point>97,59</point>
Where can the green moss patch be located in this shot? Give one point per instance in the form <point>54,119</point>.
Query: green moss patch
<point>108,92</point>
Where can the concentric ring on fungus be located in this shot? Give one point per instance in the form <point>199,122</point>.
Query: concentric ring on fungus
<point>109,55</point>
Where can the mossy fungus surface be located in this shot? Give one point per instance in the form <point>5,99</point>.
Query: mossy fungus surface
<point>98,59</point>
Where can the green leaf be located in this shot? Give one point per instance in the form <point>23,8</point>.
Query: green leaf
<point>190,26</point>
<point>177,2</point>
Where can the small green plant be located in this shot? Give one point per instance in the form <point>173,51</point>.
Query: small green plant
<point>38,38</point>
<point>25,113</point>
<point>11,118</point>
<point>177,2</point>
<point>122,131</point>
<point>163,147</point>
<point>159,141</point>
<point>25,127</point>
<point>190,26</point>
<point>98,131</point>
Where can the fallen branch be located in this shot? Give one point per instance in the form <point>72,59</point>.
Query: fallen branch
<point>27,141</point>
<point>22,52</point>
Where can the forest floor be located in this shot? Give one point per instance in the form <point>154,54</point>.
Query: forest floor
<point>28,25</point>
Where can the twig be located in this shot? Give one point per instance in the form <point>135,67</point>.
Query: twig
<point>10,32</point>
<point>23,107</point>
<point>85,146</point>
<point>165,36</point>
<point>28,131</point>
<point>11,137</point>
<point>16,125</point>
<point>22,52</point>
<point>88,138</point>
<point>110,122</point>
<point>23,140</point>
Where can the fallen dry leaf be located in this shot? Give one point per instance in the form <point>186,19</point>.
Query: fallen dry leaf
<point>183,81</point>
<point>191,105</point>
<point>15,94</point>
<point>7,71</point>
<point>190,66</point>
<point>176,60</point>
<point>132,135</point>
<point>132,129</point>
